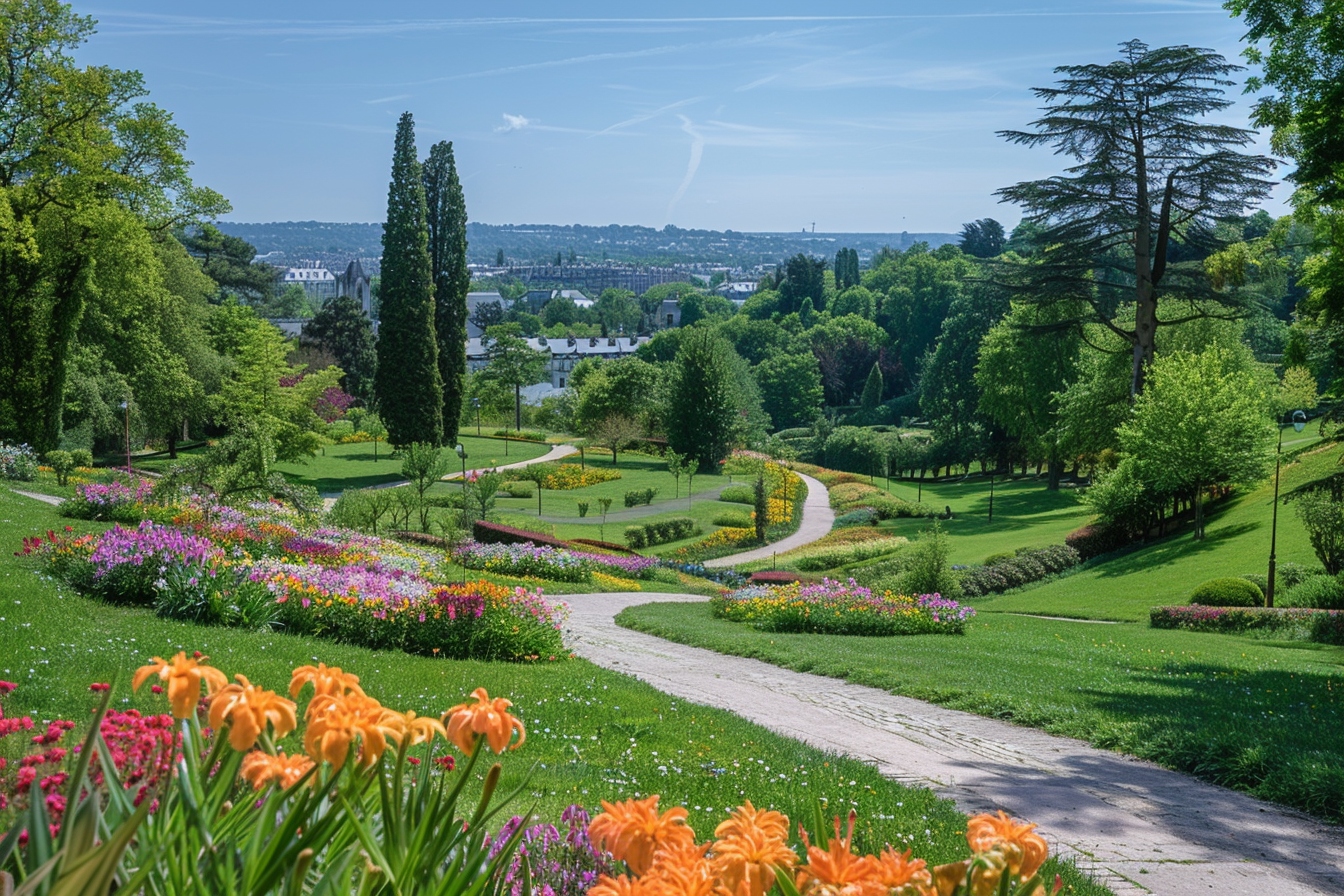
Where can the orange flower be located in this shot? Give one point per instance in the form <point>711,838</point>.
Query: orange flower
<point>903,876</point>
<point>334,722</point>
<point>260,768</point>
<point>184,675</point>
<point>1023,849</point>
<point>421,729</point>
<point>247,709</point>
<point>621,885</point>
<point>751,843</point>
<point>325,680</point>
<point>680,869</point>
<point>836,870</point>
<point>632,831</point>
<point>490,718</point>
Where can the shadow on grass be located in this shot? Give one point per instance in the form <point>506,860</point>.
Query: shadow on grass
<point>1172,549</point>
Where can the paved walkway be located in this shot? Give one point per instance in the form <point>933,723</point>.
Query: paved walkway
<point>816,522</point>
<point>38,496</point>
<point>1130,824</point>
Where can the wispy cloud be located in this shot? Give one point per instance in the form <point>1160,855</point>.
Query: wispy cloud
<point>692,165</point>
<point>646,116</point>
<point>523,123</point>
<point>388,99</point>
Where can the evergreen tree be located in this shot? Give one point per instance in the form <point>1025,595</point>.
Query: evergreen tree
<point>872,389</point>
<point>447,221</point>
<point>705,414</point>
<point>499,258</point>
<point>983,239</point>
<point>408,385</point>
<point>343,329</point>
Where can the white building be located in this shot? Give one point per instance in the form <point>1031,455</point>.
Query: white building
<point>318,282</point>
<point>565,353</point>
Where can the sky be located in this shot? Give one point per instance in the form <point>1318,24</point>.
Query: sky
<point>850,116</point>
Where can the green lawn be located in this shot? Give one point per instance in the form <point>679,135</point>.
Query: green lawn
<point>1237,543</point>
<point>592,734</point>
<point>1259,716</point>
<point>1026,514</point>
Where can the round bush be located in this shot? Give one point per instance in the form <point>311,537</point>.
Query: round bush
<point>733,519</point>
<point>1228,592</point>
<point>1316,592</point>
<point>1260,580</point>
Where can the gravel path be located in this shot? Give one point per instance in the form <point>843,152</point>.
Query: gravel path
<point>1130,824</point>
<point>38,496</point>
<point>816,522</point>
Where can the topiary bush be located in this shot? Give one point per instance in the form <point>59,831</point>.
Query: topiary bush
<point>519,489</point>
<point>738,494</point>
<point>733,519</point>
<point>638,496</point>
<point>82,457</point>
<point>1317,592</point>
<point>660,532</point>
<point>1228,591</point>
<point>1002,572</point>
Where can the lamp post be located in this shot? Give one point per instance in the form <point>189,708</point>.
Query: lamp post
<point>462,455</point>
<point>476,403</point>
<point>126,406</point>
<point>1299,424</point>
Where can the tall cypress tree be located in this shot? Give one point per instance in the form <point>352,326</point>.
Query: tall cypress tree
<point>409,389</point>
<point>447,221</point>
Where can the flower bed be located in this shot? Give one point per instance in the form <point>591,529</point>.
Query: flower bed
<point>118,500</point>
<point>840,608</point>
<point>569,476</point>
<point>497,533</point>
<point>1322,626</point>
<point>259,567</point>
<point>548,562</point>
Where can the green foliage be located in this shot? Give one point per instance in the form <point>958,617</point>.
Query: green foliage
<point>1324,592</point>
<point>520,489</point>
<point>983,238</point>
<point>925,568</point>
<point>1229,591</point>
<point>803,281</point>
<point>82,457</point>
<point>62,464</point>
<point>732,519</point>
<point>872,390</point>
<point>706,399</point>
<point>1322,513</point>
<point>512,363</point>
<point>345,331</point>
<point>408,383</point>
<point>738,494</point>
<point>364,509</point>
<point>446,225</point>
<point>791,391</point>
<point>846,270</point>
<point>423,465</point>
<point>660,532</point>
<point>640,496</point>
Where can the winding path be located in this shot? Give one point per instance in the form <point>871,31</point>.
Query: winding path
<point>1134,826</point>
<point>816,522</point>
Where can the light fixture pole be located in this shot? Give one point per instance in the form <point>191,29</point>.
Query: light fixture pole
<point>1299,424</point>
<point>462,455</point>
<point>476,403</point>
<point>126,406</point>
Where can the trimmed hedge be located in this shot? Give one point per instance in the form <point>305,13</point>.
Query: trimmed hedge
<point>640,496</point>
<point>1318,593</point>
<point>733,519</point>
<point>1096,539</point>
<point>497,533</point>
<point>1321,626</point>
<point>650,534</point>
<point>1004,572</point>
<point>738,494</point>
<point>1228,591</point>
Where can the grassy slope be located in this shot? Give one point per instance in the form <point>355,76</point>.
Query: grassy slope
<point>1164,573</point>
<point>592,734</point>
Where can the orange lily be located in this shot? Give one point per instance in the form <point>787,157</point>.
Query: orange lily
<point>325,680</point>
<point>837,870</point>
<point>632,831</point>
<point>902,875</point>
<point>261,768</point>
<point>749,846</point>
<point>334,722</point>
<point>184,675</point>
<point>247,709</point>
<point>489,718</point>
<point>1023,849</point>
<point>422,729</point>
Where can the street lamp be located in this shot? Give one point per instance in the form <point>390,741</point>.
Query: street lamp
<point>1299,424</point>
<point>126,406</point>
<point>462,454</point>
<point>476,403</point>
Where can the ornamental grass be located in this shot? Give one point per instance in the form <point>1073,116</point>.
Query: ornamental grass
<point>322,789</point>
<point>840,608</point>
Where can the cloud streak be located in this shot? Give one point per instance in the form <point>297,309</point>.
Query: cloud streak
<point>692,165</point>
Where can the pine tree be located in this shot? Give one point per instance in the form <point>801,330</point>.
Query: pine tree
<point>447,222</point>
<point>872,389</point>
<point>408,385</point>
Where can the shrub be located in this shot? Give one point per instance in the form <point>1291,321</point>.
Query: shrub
<point>583,509</point>
<point>660,532</point>
<point>774,577</point>
<point>861,516</point>
<point>639,496</point>
<point>525,435</point>
<point>82,457</point>
<point>926,569</point>
<point>568,476</point>
<point>1239,620</point>
<point>62,464</point>
<point>1290,575</point>
<point>538,561</point>
<point>1323,516</point>
<point>1228,591</point>
<point>497,533</point>
<point>738,494</point>
<point>1317,592</point>
<point>1096,539</point>
<point>1259,580</point>
<point>847,494</point>
<point>17,462</point>
<point>519,488</point>
<point>737,519</point>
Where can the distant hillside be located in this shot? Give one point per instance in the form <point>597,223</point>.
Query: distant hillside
<point>290,242</point>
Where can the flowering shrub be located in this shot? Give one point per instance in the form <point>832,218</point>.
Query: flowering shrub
<point>332,404</point>
<point>540,561</point>
<point>567,476</point>
<point>840,608</point>
<point>17,462</point>
<point>497,533</point>
<point>116,500</point>
<point>1321,626</point>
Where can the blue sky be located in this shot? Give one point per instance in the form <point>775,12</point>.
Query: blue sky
<point>749,116</point>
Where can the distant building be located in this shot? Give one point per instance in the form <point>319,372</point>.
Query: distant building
<point>357,285</point>
<point>318,282</point>
<point>565,353</point>
<point>738,291</point>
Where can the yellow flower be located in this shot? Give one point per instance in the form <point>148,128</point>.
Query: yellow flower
<point>335,721</point>
<point>1023,849</point>
<point>632,831</point>
<point>325,680</point>
<point>261,768</point>
<point>749,846</point>
<point>421,729</point>
<point>247,709</point>
<point>489,718</point>
<point>184,675</point>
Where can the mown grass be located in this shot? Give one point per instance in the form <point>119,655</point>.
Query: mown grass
<point>592,734</point>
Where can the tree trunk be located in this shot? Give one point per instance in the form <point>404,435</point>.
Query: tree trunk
<point>1199,513</point>
<point>172,445</point>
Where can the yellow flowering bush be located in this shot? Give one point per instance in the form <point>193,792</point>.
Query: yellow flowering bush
<point>566,476</point>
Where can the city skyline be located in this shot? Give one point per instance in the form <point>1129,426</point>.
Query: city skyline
<point>874,118</point>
